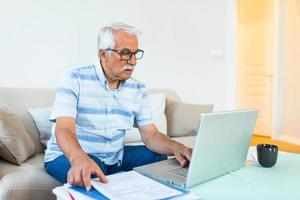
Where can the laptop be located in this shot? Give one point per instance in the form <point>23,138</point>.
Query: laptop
<point>221,147</point>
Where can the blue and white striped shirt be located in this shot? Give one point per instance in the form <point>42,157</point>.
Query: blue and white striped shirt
<point>102,115</point>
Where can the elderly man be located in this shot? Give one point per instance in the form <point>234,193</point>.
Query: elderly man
<point>94,107</point>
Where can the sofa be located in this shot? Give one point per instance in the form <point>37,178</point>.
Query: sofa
<point>29,180</point>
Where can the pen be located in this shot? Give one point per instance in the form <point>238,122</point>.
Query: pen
<point>72,198</point>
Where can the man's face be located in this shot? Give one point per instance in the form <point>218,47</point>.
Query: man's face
<point>113,64</point>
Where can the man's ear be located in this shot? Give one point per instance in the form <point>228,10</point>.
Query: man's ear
<point>102,55</point>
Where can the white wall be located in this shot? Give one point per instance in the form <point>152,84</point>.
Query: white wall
<point>40,38</point>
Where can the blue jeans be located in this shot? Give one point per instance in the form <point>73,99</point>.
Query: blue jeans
<point>134,156</point>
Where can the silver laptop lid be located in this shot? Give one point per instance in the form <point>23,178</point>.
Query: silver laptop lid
<point>221,145</point>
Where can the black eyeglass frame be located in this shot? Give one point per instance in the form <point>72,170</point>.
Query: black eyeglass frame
<point>123,54</point>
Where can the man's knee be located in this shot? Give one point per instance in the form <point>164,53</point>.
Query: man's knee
<point>58,168</point>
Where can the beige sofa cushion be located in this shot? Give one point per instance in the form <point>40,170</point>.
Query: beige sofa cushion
<point>18,100</point>
<point>40,117</point>
<point>35,161</point>
<point>32,183</point>
<point>183,118</point>
<point>15,143</point>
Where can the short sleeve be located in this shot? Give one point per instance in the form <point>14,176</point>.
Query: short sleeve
<point>66,97</point>
<point>143,116</point>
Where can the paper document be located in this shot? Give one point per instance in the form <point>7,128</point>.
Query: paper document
<point>252,155</point>
<point>132,185</point>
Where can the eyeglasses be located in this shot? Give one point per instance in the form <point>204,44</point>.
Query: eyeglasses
<point>126,54</point>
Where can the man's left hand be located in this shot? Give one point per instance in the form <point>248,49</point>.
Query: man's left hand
<point>182,154</point>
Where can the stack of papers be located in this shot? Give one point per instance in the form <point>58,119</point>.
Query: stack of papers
<point>128,185</point>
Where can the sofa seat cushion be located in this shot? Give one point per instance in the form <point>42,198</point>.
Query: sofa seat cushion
<point>32,183</point>
<point>35,161</point>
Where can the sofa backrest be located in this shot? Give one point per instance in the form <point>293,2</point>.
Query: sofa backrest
<point>18,100</point>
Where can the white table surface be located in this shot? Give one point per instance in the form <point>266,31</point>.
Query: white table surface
<point>255,182</point>
<point>250,182</point>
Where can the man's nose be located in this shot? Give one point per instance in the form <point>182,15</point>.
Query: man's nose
<point>132,60</point>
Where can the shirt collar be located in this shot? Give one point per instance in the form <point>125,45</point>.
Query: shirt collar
<point>100,72</point>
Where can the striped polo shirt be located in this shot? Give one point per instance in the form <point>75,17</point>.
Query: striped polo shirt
<point>102,115</point>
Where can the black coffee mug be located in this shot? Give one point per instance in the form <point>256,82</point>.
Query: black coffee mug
<point>267,154</point>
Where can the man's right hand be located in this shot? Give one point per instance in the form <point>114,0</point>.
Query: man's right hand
<point>82,167</point>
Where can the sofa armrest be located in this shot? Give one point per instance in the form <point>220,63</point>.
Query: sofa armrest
<point>183,118</point>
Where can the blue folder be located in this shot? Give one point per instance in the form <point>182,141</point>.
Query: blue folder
<point>93,193</point>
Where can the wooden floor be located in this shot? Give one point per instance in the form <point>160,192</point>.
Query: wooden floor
<point>283,146</point>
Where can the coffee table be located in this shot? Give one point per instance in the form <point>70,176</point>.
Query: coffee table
<point>255,182</point>
<point>250,182</point>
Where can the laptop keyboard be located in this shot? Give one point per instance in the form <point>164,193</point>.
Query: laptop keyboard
<point>180,172</point>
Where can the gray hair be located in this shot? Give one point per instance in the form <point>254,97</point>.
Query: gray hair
<point>106,34</point>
